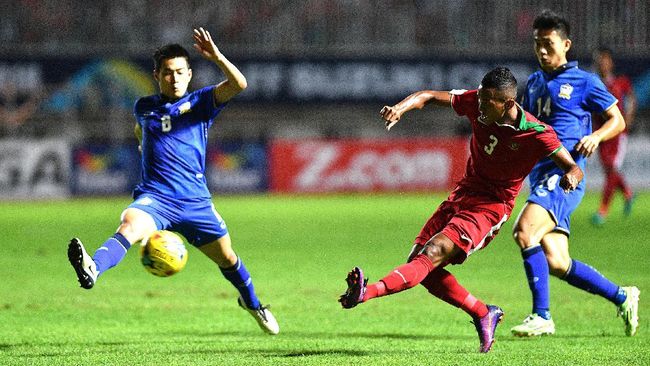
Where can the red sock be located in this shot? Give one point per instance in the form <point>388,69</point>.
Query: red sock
<point>401,278</point>
<point>444,286</point>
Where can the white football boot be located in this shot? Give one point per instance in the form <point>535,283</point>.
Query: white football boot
<point>629,310</point>
<point>82,263</point>
<point>263,316</point>
<point>534,325</point>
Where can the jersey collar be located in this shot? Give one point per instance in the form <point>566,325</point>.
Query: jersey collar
<point>523,124</point>
<point>562,68</point>
<point>165,99</point>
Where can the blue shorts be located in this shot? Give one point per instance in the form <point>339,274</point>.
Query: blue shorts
<point>196,219</point>
<point>547,193</point>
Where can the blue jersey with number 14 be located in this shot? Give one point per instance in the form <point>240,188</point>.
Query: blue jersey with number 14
<point>174,140</point>
<point>565,100</point>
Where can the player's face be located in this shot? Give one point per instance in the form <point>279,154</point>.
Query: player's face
<point>492,104</point>
<point>173,77</point>
<point>550,49</point>
<point>604,63</point>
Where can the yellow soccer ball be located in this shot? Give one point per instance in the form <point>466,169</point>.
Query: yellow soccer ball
<point>163,253</point>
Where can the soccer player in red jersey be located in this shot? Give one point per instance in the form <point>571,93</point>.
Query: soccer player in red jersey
<point>505,145</point>
<point>612,151</point>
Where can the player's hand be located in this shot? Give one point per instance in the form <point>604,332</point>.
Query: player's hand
<point>588,144</point>
<point>390,115</point>
<point>569,183</point>
<point>205,45</point>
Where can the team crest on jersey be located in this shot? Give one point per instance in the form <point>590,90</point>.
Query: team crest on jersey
<point>514,146</point>
<point>185,107</point>
<point>565,91</point>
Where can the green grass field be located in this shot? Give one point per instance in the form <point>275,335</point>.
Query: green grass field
<point>299,250</point>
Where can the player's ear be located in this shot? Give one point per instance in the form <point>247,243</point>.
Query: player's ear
<point>155,74</point>
<point>510,103</point>
<point>567,45</point>
<point>189,71</point>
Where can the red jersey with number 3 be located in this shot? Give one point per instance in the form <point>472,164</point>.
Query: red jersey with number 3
<point>501,156</point>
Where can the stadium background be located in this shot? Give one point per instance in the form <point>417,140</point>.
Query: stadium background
<point>318,73</point>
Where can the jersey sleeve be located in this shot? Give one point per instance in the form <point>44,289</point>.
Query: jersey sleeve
<point>206,103</point>
<point>139,109</point>
<point>597,98</point>
<point>549,142</point>
<point>463,103</point>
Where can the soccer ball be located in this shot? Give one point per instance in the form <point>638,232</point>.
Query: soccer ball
<point>163,253</point>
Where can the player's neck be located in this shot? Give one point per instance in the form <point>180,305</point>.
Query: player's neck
<point>561,65</point>
<point>512,116</point>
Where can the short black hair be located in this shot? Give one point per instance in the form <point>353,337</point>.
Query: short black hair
<point>605,49</point>
<point>168,51</point>
<point>551,20</point>
<point>501,78</point>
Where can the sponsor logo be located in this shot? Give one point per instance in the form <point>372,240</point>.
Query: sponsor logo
<point>366,165</point>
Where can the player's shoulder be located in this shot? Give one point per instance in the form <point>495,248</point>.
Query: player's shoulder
<point>530,123</point>
<point>146,103</point>
<point>463,100</point>
<point>586,74</point>
<point>535,77</point>
<point>589,77</point>
<point>464,94</point>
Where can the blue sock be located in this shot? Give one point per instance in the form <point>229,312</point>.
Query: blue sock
<point>537,272</point>
<point>240,278</point>
<point>111,252</point>
<point>585,277</point>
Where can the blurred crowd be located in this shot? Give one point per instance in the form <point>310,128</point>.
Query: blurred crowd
<point>364,29</point>
<point>295,27</point>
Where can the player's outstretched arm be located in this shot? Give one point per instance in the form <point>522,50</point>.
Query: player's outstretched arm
<point>417,100</point>
<point>572,172</point>
<point>235,81</point>
<point>614,124</point>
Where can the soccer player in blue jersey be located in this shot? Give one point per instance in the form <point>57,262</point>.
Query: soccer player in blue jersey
<point>173,129</point>
<point>563,96</point>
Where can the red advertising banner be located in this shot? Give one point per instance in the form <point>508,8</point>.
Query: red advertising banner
<point>361,165</point>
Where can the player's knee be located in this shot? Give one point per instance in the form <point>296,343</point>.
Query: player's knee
<point>557,264</point>
<point>136,225</point>
<point>436,251</point>
<point>522,237</point>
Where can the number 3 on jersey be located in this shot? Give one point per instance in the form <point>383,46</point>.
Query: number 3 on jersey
<point>166,123</point>
<point>490,148</point>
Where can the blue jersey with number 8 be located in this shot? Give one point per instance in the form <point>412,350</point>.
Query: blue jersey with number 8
<point>174,141</point>
<point>565,100</point>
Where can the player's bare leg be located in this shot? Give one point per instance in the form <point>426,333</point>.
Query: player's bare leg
<point>587,278</point>
<point>531,226</point>
<point>220,251</point>
<point>135,225</point>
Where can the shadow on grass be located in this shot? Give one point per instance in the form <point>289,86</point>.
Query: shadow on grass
<point>329,335</point>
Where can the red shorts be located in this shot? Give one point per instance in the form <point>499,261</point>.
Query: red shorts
<point>612,151</point>
<point>469,220</point>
